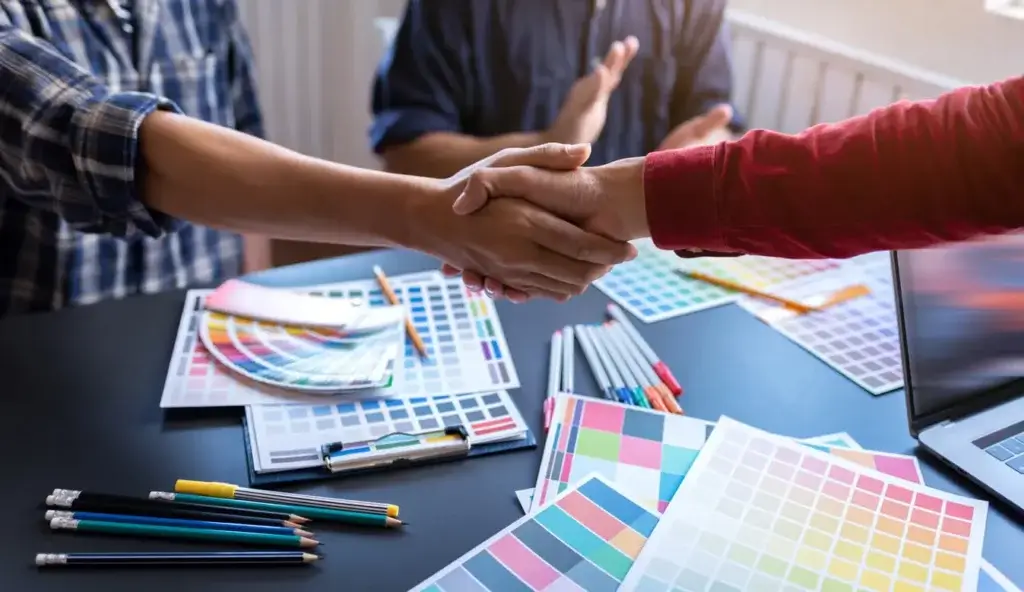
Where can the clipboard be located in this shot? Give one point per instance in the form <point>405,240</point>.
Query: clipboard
<point>322,473</point>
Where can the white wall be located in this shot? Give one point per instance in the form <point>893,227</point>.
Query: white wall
<point>956,38</point>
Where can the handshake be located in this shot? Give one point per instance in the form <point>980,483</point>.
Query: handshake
<point>532,222</point>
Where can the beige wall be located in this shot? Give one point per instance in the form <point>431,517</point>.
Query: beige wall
<point>956,38</point>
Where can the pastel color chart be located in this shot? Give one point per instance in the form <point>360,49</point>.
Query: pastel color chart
<point>288,437</point>
<point>461,331</point>
<point>650,288</point>
<point>643,452</point>
<point>586,540</point>
<point>858,338</point>
<point>756,272</point>
<point>324,360</point>
<point>763,512</point>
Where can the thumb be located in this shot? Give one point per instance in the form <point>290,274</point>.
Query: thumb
<point>561,157</point>
<point>487,183</point>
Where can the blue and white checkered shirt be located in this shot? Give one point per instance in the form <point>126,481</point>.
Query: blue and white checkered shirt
<point>76,79</point>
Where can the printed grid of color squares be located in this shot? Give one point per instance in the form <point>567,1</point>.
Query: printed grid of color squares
<point>761,512</point>
<point>643,452</point>
<point>288,437</point>
<point>584,541</point>
<point>858,338</point>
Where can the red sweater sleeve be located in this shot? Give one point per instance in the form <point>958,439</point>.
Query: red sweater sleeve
<point>904,176</point>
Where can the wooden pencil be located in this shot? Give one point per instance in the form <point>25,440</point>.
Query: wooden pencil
<point>385,287</point>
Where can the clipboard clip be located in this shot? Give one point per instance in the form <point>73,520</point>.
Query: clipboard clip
<point>396,449</point>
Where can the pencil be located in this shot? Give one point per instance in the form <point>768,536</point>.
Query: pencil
<point>159,559</point>
<point>554,376</point>
<point>633,351</point>
<point>595,365</point>
<point>633,382</point>
<point>623,394</point>
<point>568,360</point>
<point>172,532</point>
<point>121,504</point>
<point>649,382</point>
<point>385,287</point>
<point>360,518</point>
<point>230,491</point>
<point>181,523</point>
<point>736,287</point>
<point>660,368</point>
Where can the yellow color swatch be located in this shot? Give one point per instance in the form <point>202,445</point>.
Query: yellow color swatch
<point>844,570</point>
<point>817,540</point>
<point>810,558</point>
<point>852,532</point>
<point>913,572</point>
<point>946,581</point>
<point>849,551</point>
<point>872,580</point>
<point>881,562</point>
<point>629,542</point>
<point>905,587</point>
<point>950,562</point>
<point>917,553</point>
<point>884,542</point>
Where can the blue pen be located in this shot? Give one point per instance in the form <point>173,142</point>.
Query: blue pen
<point>176,522</point>
<point>622,393</point>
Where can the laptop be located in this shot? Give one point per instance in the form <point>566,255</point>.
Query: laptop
<point>960,310</point>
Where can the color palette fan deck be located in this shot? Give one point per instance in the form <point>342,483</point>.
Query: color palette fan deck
<point>289,437</point>
<point>644,453</point>
<point>584,541</point>
<point>762,512</point>
<point>461,330</point>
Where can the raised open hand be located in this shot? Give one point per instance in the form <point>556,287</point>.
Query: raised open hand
<point>711,127</point>
<point>585,109</point>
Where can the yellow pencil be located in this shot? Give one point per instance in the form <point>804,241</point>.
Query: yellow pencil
<point>729,285</point>
<point>393,299</point>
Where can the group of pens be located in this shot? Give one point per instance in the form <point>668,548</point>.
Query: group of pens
<point>208,512</point>
<point>621,360</point>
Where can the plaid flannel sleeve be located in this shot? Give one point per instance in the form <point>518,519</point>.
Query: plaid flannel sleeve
<point>70,146</point>
<point>244,94</point>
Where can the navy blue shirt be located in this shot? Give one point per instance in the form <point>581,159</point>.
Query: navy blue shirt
<point>491,67</point>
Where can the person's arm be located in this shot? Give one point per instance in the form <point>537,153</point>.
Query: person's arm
<point>422,91</point>
<point>703,64</point>
<point>904,176</point>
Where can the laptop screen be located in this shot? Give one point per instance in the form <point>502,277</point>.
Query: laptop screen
<point>963,314</point>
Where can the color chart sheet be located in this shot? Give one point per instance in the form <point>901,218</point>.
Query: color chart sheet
<point>289,437</point>
<point>461,331</point>
<point>858,338</point>
<point>643,452</point>
<point>585,541</point>
<point>651,288</point>
<point>760,511</point>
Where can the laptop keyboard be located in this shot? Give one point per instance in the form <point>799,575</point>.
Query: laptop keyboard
<point>1009,451</point>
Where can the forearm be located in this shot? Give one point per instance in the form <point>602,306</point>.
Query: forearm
<point>906,176</point>
<point>225,179</point>
<point>442,154</point>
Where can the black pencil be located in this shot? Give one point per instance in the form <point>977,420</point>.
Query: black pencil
<point>156,559</point>
<point>116,504</point>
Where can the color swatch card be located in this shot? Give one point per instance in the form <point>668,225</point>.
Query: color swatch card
<point>643,452</point>
<point>763,512</point>
<point>289,437</point>
<point>759,273</point>
<point>461,331</point>
<point>651,290</point>
<point>320,360</point>
<point>585,541</point>
<point>858,337</point>
<point>298,309</point>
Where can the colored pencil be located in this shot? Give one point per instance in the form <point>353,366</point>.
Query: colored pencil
<point>119,504</point>
<point>623,394</point>
<point>178,522</point>
<point>230,491</point>
<point>595,365</point>
<point>737,287</point>
<point>554,376</point>
<point>172,532</point>
<point>360,518</point>
<point>633,382</point>
<point>159,559</point>
<point>651,379</point>
<point>649,387</point>
<point>385,286</point>
<point>660,368</point>
<point>568,360</point>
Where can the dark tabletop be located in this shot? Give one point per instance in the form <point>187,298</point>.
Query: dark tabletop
<point>83,388</point>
